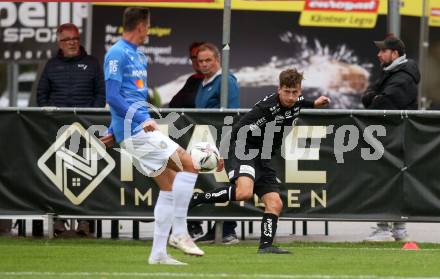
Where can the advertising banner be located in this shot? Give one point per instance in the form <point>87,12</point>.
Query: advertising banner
<point>28,29</point>
<point>335,166</point>
<point>340,13</point>
<point>434,13</point>
<point>337,62</point>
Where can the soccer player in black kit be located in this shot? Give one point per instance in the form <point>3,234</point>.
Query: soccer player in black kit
<point>252,145</point>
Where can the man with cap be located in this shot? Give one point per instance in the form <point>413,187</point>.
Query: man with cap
<point>396,89</point>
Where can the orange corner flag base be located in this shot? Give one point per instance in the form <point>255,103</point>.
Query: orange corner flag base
<point>410,246</point>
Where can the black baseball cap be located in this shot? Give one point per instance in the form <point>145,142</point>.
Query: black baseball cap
<point>393,43</point>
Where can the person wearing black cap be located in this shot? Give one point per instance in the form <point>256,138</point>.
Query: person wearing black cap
<point>396,89</point>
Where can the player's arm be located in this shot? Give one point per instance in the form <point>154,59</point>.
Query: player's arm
<point>220,164</point>
<point>321,102</point>
<point>150,125</point>
<point>108,140</point>
<point>318,103</point>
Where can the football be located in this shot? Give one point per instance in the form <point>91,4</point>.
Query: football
<point>205,156</point>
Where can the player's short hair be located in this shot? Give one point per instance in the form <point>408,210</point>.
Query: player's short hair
<point>290,78</point>
<point>134,15</point>
<point>210,47</point>
<point>66,26</point>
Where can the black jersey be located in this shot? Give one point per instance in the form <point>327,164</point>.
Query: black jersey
<point>268,113</point>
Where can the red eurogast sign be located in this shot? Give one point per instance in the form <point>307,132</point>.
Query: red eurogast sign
<point>366,6</point>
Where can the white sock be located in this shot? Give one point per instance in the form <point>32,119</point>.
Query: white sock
<point>163,219</point>
<point>183,186</point>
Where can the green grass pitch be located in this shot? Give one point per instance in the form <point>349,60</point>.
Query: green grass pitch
<point>79,258</point>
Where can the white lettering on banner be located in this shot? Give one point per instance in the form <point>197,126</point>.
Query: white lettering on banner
<point>148,196</point>
<point>35,14</point>
<point>379,150</point>
<point>9,14</point>
<point>170,60</point>
<point>346,139</point>
<point>28,54</point>
<point>139,197</point>
<point>144,197</point>
<point>341,145</point>
<point>31,14</point>
<point>435,12</point>
<point>343,5</point>
<point>293,196</point>
<point>162,55</point>
<point>41,35</point>
<point>314,197</point>
<point>38,21</point>
<point>157,50</point>
<point>293,153</point>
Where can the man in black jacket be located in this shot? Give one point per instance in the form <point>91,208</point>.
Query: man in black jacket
<point>72,78</point>
<point>397,86</point>
<point>396,89</point>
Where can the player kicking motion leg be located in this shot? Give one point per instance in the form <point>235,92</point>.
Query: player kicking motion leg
<point>253,174</point>
<point>125,69</point>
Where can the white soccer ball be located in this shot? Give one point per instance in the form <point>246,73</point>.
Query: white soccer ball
<point>205,156</point>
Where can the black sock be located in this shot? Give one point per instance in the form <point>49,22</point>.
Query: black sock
<point>268,229</point>
<point>222,194</point>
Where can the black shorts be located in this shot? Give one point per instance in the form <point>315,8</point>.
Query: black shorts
<point>265,180</point>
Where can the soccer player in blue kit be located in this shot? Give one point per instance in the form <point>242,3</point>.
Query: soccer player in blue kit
<point>125,69</point>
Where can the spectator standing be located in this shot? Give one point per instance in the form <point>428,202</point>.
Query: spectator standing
<point>71,79</point>
<point>396,89</point>
<point>208,96</point>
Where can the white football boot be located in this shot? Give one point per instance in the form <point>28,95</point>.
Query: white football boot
<point>185,243</point>
<point>165,259</point>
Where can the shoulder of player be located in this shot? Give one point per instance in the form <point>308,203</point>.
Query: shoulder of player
<point>268,101</point>
<point>263,107</point>
<point>116,52</point>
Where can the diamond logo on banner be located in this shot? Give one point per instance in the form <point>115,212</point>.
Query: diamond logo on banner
<point>74,168</point>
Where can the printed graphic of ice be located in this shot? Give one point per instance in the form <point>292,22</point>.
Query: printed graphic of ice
<point>335,73</point>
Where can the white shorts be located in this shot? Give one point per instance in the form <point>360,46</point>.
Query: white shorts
<point>150,150</point>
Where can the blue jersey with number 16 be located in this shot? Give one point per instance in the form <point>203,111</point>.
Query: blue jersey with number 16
<point>128,67</point>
